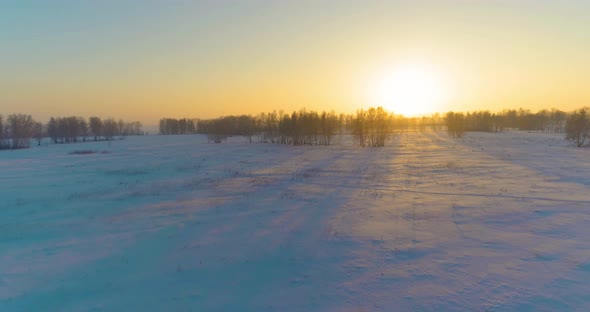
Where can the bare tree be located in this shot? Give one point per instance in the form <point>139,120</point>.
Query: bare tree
<point>38,132</point>
<point>577,127</point>
<point>52,131</point>
<point>20,129</point>
<point>83,128</point>
<point>360,126</point>
<point>72,129</point>
<point>121,128</point>
<point>373,127</point>
<point>455,124</point>
<point>110,128</point>
<point>3,135</point>
<point>96,127</point>
<point>135,128</point>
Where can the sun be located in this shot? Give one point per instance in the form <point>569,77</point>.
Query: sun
<point>410,90</point>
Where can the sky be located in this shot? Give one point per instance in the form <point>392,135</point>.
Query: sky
<point>144,60</point>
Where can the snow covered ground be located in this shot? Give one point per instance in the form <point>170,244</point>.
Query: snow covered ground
<point>490,222</point>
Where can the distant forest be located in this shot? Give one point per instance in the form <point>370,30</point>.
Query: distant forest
<point>372,127</point>
<point>17,130</point>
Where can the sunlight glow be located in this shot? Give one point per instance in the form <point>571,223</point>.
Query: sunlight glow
<point>410,90</point>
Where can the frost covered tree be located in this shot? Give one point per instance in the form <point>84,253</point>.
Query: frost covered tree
<point>577,127</point>
<point>3,134</point>
<point>67,129</point>
<point>96,127</point>
<point>38,132</point>
<point>110,128</point>
<point>71,128</point>
<point>83,128</point>
<point>52,131</point>
<point>121,127</point>
<point>20,130</point>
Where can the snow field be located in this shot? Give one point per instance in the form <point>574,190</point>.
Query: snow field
<point>490,222</point>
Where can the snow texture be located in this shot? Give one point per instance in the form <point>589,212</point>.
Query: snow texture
<point>490,222</point>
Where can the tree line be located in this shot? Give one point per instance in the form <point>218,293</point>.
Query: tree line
<point>543,121</point>
<point>458,123</point>
<point>178,126</point>
<point>17,130</point>
<point>371,127</point>
<point>303,127</point>
<point>74,129</point>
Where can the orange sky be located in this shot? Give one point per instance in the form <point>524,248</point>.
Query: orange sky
<point>143,61</point>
